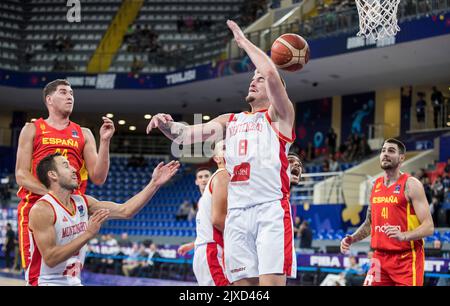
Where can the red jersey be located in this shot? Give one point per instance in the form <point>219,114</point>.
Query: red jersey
<point>48,140</point>
<point>389,206</point>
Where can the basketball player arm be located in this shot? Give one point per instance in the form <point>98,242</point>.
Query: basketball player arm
<point>188,134</point>
<point>97,165</point>
<point>281,109</point>
<point>416,195</point>
<point>184,248</point>
<point>24,176</point>
<point>364,230</point>
<point>127,210</point>
<point>219,200</point>
<point>42,226</point>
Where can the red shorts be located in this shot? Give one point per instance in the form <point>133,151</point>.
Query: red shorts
<point>23,211</point>
<point>396,268</point>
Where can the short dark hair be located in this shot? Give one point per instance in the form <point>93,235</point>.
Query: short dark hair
<point>297,156</point>
<point>45,165</point>
<point>201,169</point>
<point>400,145</point>
<point>51,87</point>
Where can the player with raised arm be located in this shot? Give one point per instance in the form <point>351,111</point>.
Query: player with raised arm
<point>257,144</point>
<point>59,226</point>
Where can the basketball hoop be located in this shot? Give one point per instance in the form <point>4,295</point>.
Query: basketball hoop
<point>377,18</point>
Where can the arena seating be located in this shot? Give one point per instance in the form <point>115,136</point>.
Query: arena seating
<point>33,25</point>
<point>10,19</point>
<point>47,21</point>
<point>178,45</point>
<point>158,217</point>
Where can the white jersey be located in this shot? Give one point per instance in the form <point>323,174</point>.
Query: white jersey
<point>67,228</point>
<point>206,232</point>
<point>256,159</point>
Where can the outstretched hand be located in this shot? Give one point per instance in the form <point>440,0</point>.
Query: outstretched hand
<point>163,173</point>
<point>157,120</point>
<point>185,248</point>
<point>239,36</point>
<point>107,129</point>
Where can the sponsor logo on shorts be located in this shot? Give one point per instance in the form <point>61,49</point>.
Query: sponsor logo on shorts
<point>238,270</point>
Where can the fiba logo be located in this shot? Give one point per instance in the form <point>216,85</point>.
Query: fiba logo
<point>383,228</point>
<point>74,13</point>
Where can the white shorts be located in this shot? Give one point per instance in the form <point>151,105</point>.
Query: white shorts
<point>208,265</point>
<point>259,240</point>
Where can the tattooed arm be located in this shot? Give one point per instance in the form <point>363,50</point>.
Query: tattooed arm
<point>188,134</point>
<point>361,233</point>
<point>364,230</point>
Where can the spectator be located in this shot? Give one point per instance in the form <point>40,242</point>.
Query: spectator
<point>125,242</point>
<point>438,189</point>
<point>136,66</point>
<point>331,141</point>
<point>150,266</point>
<point>427,188</point>
<point>354,274</point>
<point>297,225</point>
<point>420,108</point>
<point>435,208</point>
<point>447,167</point>
<point>5,195</point>
<point>366,266</point>
<point>9,247</point>
<point>132,261</point>
<point>437,100</point>
<point>66,65</point>
<point>183,211</point>
<point>108,249</point>
<point>56,65</point>
<point>192,212</point>
<point>421,174</point>
<point>306,235</point>
<point>325,165</point>
<point>130,32</point>
<point>437,244</point>
<point>446,183</point>
<point>67,43</point>
<point>363,149</point>
<point>93,253</point>
<point>29,53</point>
<point>334,164</point>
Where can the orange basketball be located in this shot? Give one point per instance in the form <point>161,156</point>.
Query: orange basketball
<point>290,52</point>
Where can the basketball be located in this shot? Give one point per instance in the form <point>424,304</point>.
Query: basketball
<point>290,52</point>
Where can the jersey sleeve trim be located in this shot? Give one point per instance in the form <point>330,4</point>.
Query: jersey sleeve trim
<point>279,134</point>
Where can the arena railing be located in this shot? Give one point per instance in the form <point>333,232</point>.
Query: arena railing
<point>332,23</point>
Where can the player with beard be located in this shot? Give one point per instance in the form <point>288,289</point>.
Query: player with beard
<point>59,225</point>
<point>296,167</point>
<point>397,220</point>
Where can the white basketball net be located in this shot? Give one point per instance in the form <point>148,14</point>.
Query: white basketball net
<point>377,18</point>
